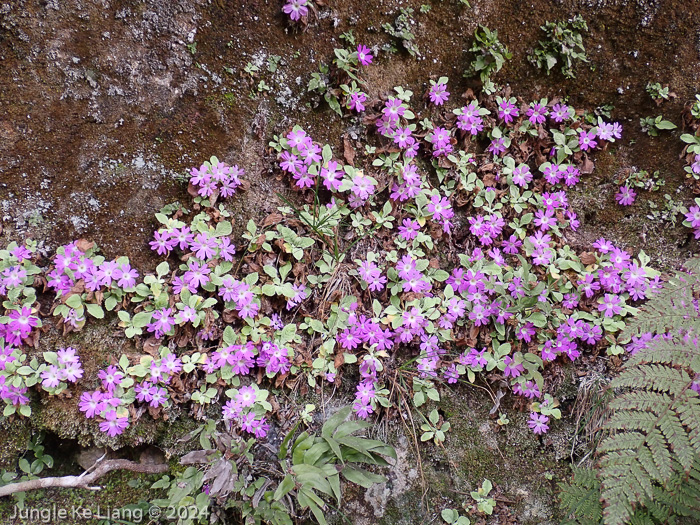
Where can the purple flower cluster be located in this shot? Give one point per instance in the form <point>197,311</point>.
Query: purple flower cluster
<point>507,109</point>
<point>20,324</point>
<point>469,118</point>
<point>71,265</point>
<point>9,357</point>
<point>527,388</point>
<point>486,228</point>
<point>109,401</point>
<point>538,423</point>
<point>695,165</point>
<point>567,174</point>
<point>356,101</point>
<point>12,394</point>
<point>626,196</point>
<point>162,322</point>
<point>242,359</point>
<point>238,296</point>
<point>372,275</point>
<point>364,55</point>
<point>240,410</point>
<point>431,353</point>
<point>692,218</point>
<point>440,138</point>
<point>441,211</point>
<point>202,245</point>
<point>412,279</point>
<point>617,274</point>
<point>561,113</point>
<point>366,392</point>
<point>215,178</point>
<point>361,330</point>
<point>609,131</point>
<point>409,185</point>
<point>438,91</point>
<point>389,125</point>
<point>498,146</point>
<point>586,139</point>
<point>537,112</point>
<point>104,405</point>
<point>302,159</point>
<point>67,368</point>
<point>18,271</point>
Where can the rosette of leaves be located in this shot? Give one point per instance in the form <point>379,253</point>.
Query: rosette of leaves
<point>313,473</point>
<point>401,30</point>
<point>653,125</point>
<point>490,54</point>
<point>563,46</point>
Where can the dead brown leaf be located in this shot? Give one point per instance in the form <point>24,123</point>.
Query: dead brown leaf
<point>273,218</point>
<point>587,258</point>
<point>348,151</point>
<point>150,346</point>
<point>84,245</point>
<point>587,167</point>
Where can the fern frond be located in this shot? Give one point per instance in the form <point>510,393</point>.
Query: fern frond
<point>689,413</point>
<point>625,441</point>
<point>640,400</point>
<point>641,519</point>
<point>649,464</point>
<point>655,435</point>
<point>655,377</point>
<point>580,498</point>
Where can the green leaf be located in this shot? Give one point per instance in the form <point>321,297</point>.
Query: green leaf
<point>449,515</point>
<point>305,499</point>
<point>334,421</point>
<point>335,447</point>
<point>362,477</point>
<point>141,319</point>
<point>284,488</point>
<point>162,269</point>
<point>74,301</point>
<point>665,124</point>
<point>95,310</point>
<point>223,229</point>
<point>24,466</point>
<point>111,303</point>
<point>350,427</point>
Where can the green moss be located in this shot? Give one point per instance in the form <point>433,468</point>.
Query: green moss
<point>16,433</point>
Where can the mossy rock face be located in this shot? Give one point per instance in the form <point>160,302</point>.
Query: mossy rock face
<point>15,436</point>
<point>476,448</point>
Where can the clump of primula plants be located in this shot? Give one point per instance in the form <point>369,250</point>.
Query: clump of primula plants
<point>631,179</point>
<point>659,93</point>
<point>652,126</point>
<point>440,261</point>
<point>563,46</point>
<point>691,151</point>
<point>402,30</point>
<point>490,54</point>
<point>339,83</point>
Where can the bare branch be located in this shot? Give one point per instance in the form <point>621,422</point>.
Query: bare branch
<point>84,480</point>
